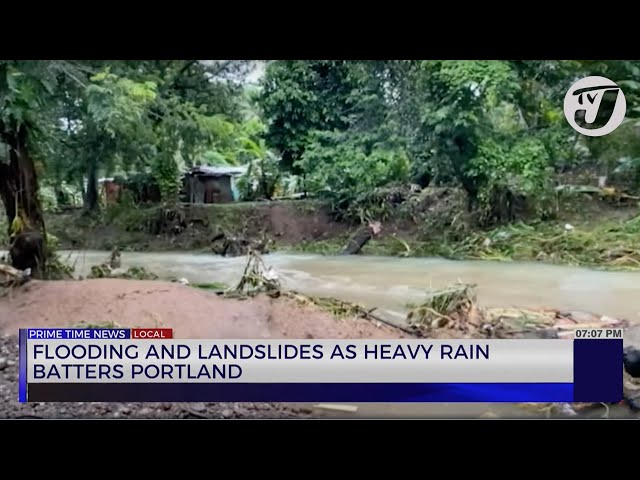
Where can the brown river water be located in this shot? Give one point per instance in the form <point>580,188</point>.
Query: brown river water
<point>390,283</point>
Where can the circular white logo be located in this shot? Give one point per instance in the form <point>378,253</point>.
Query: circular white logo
<point>586,95</point>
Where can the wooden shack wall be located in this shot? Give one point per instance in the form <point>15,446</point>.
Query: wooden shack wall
<point>207,189</point>
<point>217,189</point>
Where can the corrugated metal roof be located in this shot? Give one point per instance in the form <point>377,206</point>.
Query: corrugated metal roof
<point>217,171</point>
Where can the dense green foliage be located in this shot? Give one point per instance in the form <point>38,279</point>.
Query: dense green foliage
<point>337,129</point>
<point>495,128</point>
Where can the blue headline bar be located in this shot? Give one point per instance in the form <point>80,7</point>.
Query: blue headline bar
<point>78,334</point>
<point>301,392</point>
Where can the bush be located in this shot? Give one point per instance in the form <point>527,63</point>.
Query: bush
<point>346,173</point>
<point>515,180</point>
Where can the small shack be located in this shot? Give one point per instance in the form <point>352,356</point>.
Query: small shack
<point>204,184</point>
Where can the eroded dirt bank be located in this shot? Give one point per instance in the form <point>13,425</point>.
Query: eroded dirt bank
<point>190,312</point>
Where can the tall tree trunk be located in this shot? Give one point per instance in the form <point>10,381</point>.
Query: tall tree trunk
<point>91,197</point>
<point>19,192</point>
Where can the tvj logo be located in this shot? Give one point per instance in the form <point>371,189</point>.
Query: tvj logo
<point>586,96</point>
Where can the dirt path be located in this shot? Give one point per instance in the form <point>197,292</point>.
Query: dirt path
<point>192,313</point>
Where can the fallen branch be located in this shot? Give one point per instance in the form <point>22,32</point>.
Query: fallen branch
<point>361,238</point>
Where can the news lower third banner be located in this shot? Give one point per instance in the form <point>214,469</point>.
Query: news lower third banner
<point>149,365</point>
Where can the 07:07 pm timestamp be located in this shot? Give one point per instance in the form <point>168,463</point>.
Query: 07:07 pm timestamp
<point>601,333</point>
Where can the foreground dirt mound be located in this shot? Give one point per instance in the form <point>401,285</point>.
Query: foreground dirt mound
<point>192,313</point>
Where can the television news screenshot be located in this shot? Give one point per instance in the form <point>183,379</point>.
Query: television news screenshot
<point>320,239</point>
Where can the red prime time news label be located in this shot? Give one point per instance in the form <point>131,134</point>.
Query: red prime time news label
<point>152,333</point>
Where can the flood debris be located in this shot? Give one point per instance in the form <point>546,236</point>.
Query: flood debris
<point>11,277</point>
<point>550,410</point>
<point>602,191</point>
<point>445,308</point>
<point>238,245</point>
<point>135,273</point>
<point>361,238</point>
<point>115,259</point>
<point>112,268</point>
<point>611,246</point>
<point>453,310</point>
<point>258,278</point>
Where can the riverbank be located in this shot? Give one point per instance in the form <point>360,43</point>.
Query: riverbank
<point>587,230</point>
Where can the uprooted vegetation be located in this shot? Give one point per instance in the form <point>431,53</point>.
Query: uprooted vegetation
<point>137,273</point>
<point>454,311</point>
<point>592,227</point>
<point>614,245</point>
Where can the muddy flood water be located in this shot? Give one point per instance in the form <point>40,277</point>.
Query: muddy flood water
<point>390,283</point>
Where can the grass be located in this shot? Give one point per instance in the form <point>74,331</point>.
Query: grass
<point>210,286</point>
<point>612,245</point>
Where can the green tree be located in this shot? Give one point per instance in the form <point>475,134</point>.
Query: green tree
<point>299,97</point>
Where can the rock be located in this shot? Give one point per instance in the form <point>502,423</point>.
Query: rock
<point>227,413</point>
<point>116,415</point>
<point>198,407</point>
<point>631,360</point>
<point>633,404</point>
<point>145,412</point>
<point>3,363</point>
<point>542,334</point>
<point>183,281</point>
<point>10,363</point>
<point>125,410</point>
<point>581,317</point>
